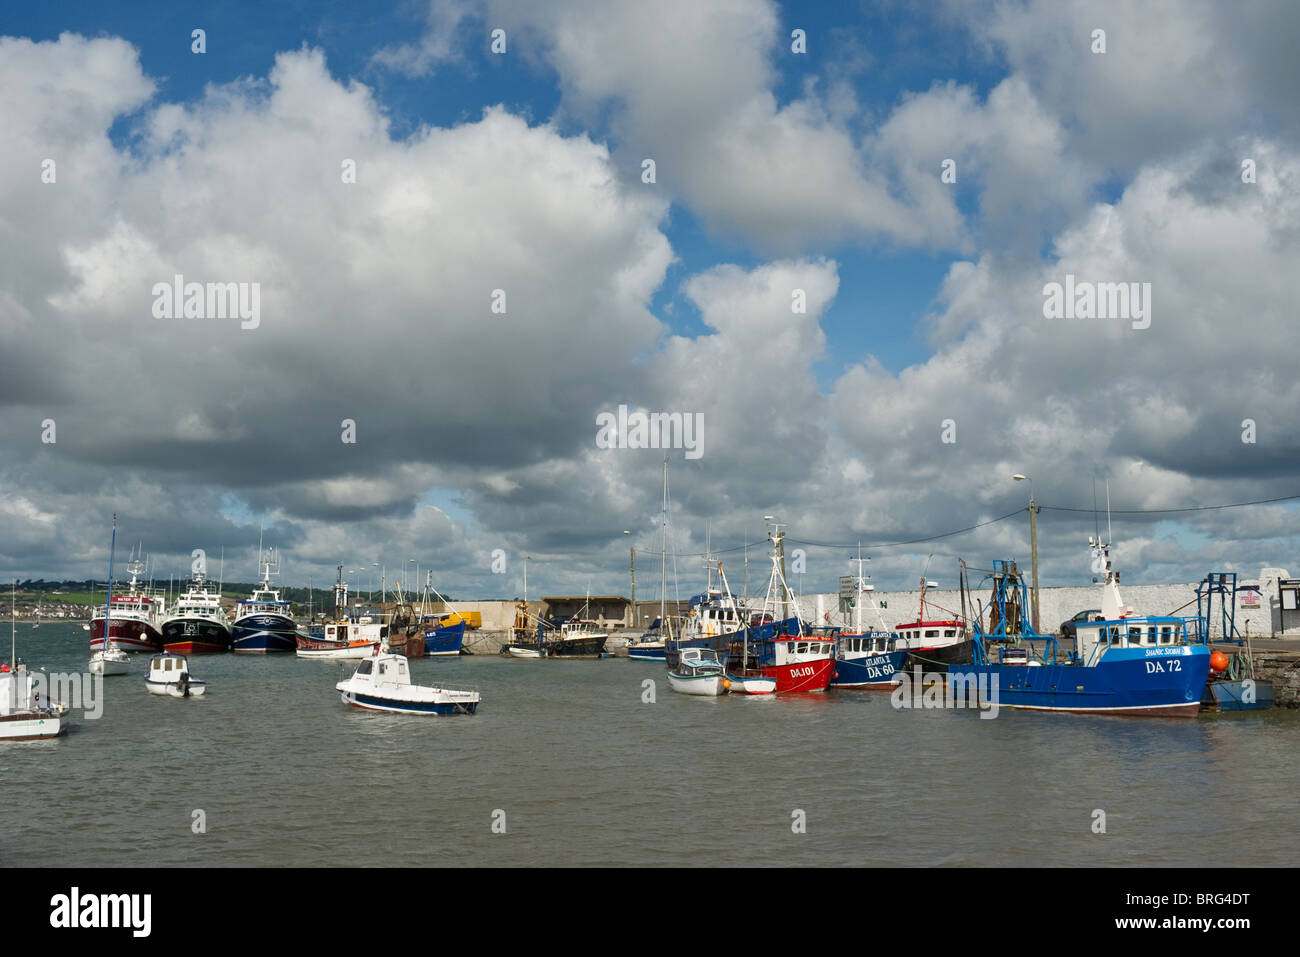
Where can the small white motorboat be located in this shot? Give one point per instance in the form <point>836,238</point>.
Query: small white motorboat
<point>751,684</point>
<point>113,661</point>
<point>518,651</point>
<point>170,675</point>
<point>383,683</point>
<point>699,672</point>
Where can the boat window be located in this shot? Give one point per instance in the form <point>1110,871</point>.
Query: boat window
<point>932,633</point>
<point>365,668</point>
<point>1166,634</point>
<point>167,665</point>
<point>949,633</point>
<point>401,668</point>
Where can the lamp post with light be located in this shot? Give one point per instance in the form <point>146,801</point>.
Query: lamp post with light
<point>632,570</point>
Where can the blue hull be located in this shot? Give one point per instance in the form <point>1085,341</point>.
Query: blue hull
<point>444,641</point>
<point>1151,681</point>
<point>647,654</point>
<point>870,671</point>
<point>1231,695</point>
<point>264,634</point>
<point>407,707</point>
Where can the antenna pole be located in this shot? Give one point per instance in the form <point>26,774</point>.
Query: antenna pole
<point>108,592</point>
<point>1110,533</point>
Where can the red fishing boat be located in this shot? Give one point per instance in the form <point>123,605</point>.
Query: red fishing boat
<point>135,618</point>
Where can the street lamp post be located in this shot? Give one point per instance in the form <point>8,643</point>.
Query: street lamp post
<point>632,570</point>
<point>1033,541</point>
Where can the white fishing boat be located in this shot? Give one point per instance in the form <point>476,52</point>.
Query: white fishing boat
<point>343,639</point>
<point>170,675</point>
<point>113,661</point>
<point>699,672</point>
<point>383,683</point>
<point>24,714</point>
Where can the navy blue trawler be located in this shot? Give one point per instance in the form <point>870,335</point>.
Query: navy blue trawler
<point>866,659</point>
<point>442,632</point>
<point>264,623</point>
<point>1123,663</point>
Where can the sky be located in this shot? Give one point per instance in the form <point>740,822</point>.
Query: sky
<point>841,266</point>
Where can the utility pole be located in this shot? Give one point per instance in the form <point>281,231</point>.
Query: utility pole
<point>632,565</point>
<point>1033,542</point>
<point>1033,548</point>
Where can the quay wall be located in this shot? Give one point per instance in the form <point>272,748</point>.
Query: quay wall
<point>1058,604</point>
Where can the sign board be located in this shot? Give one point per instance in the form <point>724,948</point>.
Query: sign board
<point>1248,597</point>
<point>848,587</point>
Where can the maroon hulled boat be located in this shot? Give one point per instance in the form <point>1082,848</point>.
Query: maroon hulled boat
<point>135,618</point>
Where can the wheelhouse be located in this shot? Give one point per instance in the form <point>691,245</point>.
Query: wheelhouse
<point>796,649</point>
<point>931,634</point>
<point>168,667</point>
<point>860,646</point>
<point>1095,638</point>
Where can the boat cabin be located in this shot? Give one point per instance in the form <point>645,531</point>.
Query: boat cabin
<point>384,670</point>
<point>1093,639</point>
<point>919,635</point>
<point>699,661</point>
<point>263,602</point>
<point>360,632</point>
<point>578,628</point>
<point>861,646</point>
<point>794,650</point>
<point>168,668</point>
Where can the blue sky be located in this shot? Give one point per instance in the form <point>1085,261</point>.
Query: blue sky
<point>884,291</point>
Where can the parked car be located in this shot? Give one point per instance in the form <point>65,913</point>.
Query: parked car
<point>1067,627</point>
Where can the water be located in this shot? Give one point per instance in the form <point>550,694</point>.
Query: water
<point>587,773</point>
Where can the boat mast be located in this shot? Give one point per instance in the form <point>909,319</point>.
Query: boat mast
<point>663,561</point>
<point>708,564</point>
<point>857,605</point>
<point>108,592</point>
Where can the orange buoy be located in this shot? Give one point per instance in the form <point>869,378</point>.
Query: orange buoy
<point>726,684</point>
<point>1218,661</point>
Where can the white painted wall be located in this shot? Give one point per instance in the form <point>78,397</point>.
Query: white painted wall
<point>1060,604</point>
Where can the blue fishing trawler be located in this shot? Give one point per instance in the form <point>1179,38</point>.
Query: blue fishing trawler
<point>443,633</point>
<point>867,660</point>
<point>1123,663</point>
<point>650,646</point>
<point>264,624</point>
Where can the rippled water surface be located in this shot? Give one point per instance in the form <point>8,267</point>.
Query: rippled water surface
<point>587,773</point>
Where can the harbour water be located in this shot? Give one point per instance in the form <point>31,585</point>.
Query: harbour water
<point>588,773</point>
